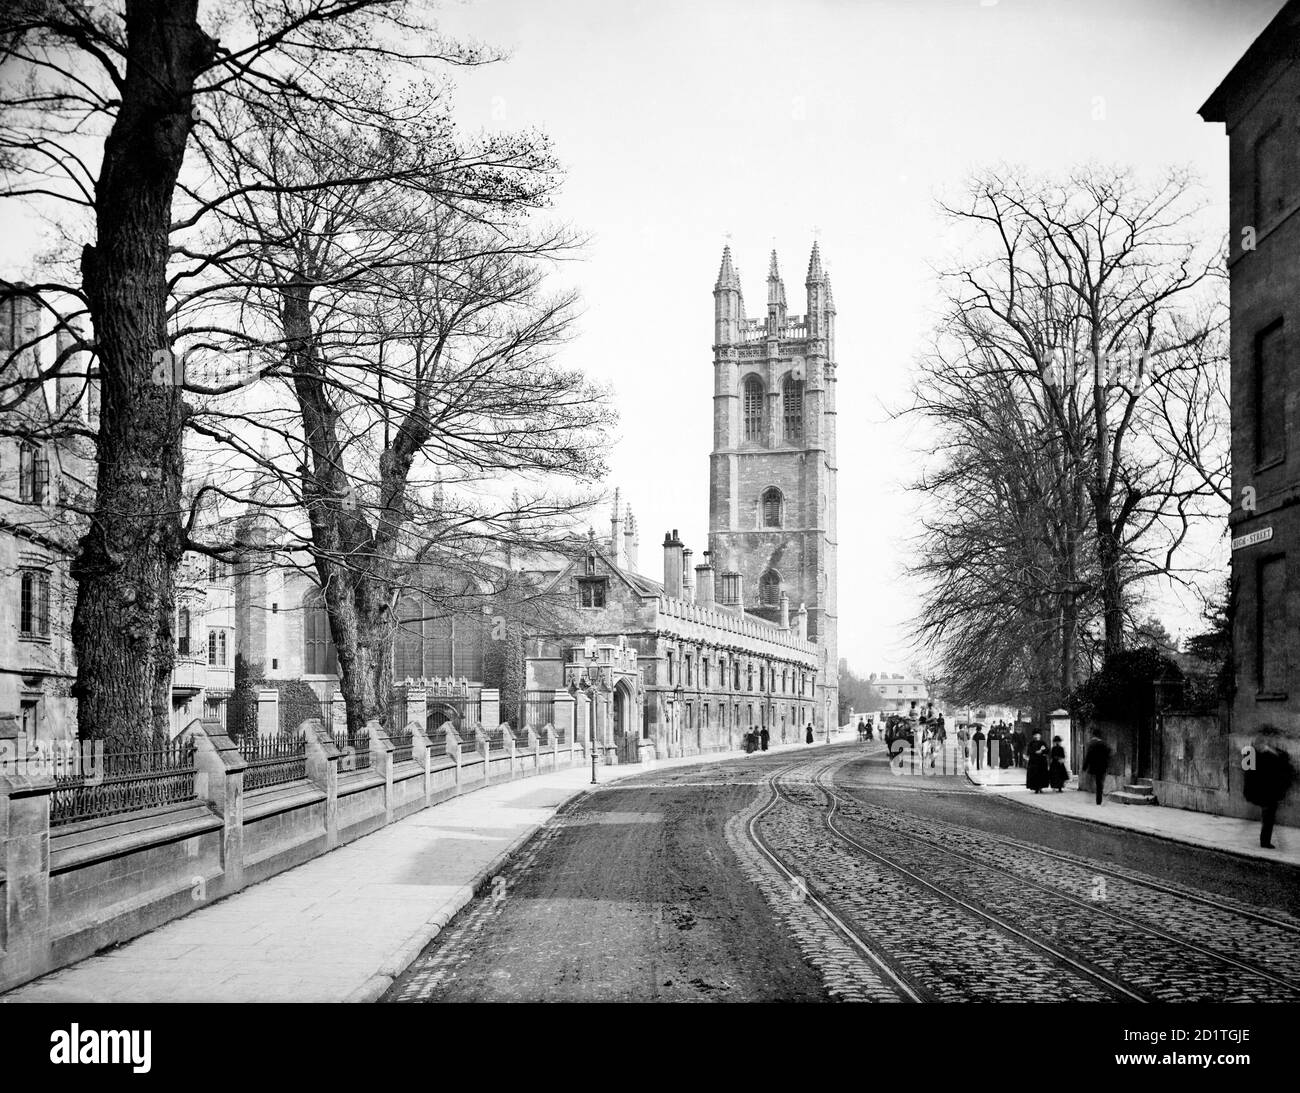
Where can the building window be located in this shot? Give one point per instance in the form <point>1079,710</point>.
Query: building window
<point>217,649</point>
<point>30,712</point>
<point>1275,170</point>
<point>320,658</point>
<point>750,685</point>
<point>670,669</point>
<point>704,669</point>
<point>1271,636</point>
<point>772,508</point>
<point>736,666</point>
<point>704,716</point>
<point>762,677</point>
<point>792,407</point>
<point>184,632</point>
<point>33,474</point>
<point>591,593</point>
<point>1270,395</point>
<point>769,589</point>
<point>690,682</point>
<point>753,409</point>
<point>34,606</point>
<point>218,571</point>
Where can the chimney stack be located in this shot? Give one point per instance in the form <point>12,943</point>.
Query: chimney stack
<point>732,593</point>
<point>704,582</point>
<point>672,566</point>
<point>785,611</point>
<point>801,622</point>
<point>688,576</point>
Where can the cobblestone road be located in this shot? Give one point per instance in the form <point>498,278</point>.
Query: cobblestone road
<point>768,878</point>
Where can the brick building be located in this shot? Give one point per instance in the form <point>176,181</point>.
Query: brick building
<point>1257,104</point>
<point>772,472</point>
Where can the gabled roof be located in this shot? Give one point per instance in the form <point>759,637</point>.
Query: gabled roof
<point>642,586</point>
<point>1278,44</point>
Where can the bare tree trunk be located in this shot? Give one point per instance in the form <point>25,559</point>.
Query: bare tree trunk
<point>122,626</point>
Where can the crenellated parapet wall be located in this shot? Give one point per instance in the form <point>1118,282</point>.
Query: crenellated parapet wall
<point>691,620</point>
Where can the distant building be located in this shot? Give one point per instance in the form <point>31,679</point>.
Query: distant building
<point>1257,103</point>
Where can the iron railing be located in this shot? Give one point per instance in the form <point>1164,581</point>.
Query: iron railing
<point>537,709</point>
<point>359,743</point>
<point>438,742</point>
<point>403,745</point>
<point>497,740</point>
<point>296,707</point>
<point>460,712</point>
<point>126,781</point>
<point>274,760</point>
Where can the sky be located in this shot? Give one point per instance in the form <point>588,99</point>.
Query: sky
<point>681,124</point>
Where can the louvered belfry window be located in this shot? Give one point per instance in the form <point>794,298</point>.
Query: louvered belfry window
<point>753,409</point>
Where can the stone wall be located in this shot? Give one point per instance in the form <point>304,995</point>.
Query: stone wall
<point>70,890</point>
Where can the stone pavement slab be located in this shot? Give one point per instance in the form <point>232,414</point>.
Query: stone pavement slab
<point>342,926</point>
<point>1225,833</point>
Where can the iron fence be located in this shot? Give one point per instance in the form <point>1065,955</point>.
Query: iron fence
<point>403,745</point>
<point>299,704</point>
<point>359,743</point>
<point>125,781</point>
<point>438,741</point>
<point>460,712</point>
<point>274,760</point>
<point>537,709</point>
<point>497,740</point>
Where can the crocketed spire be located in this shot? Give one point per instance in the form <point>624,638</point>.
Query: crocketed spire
<point>815,265</point>
<point>727,276</point>
<point>775,288</point>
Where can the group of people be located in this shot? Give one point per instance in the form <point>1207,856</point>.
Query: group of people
<point>756,739</point>
<point>1045,766</point>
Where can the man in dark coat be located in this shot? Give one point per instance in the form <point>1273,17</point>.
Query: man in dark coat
<point>978,741</point>
<point>1036,774</point>
<point>1096,760</point>
<point>1266,784</point>
<point>763,737</point>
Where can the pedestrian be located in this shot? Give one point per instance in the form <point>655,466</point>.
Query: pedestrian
<point>1006,753</point>
<point>1095,761</point>
<point>871,729</point>
<point>749,740</point>
<point>862,729</point>
<point>764,737</point>
<point>1267,782</point>
<point>978,740</point>
<point>1036,770</point>
<point>1057,775</point>
<point>963,738</point>
<point>808,734</point>
<point>1018,746</point>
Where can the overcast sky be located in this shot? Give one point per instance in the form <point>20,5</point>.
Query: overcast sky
<point>679,122</point>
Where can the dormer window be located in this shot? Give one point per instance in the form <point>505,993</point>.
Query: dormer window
<point>591,592</point>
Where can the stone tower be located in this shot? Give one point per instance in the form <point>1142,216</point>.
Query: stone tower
<point>772,516</point>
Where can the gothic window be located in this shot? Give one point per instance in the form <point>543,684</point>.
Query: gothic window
<point>320,658</point>
<point>183,630</point>
<point>467,650</point>
<point>33,474</point>
<point>750,679</point>
<point>670,669</point>
<point>408,642</point>
<point>689,681</point>
<point>34,605</point>
<point>772,507</point>
<point>704,669</point>
<point>792,407</point>
<point>753,409</point>
<point>769,589</point>
<point>736,665</point>
<point>591,593</point>
<point>217,649</point>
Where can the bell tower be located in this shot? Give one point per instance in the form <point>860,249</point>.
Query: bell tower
<point>772,471</point>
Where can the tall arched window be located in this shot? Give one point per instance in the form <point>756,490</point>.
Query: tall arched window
<point>408,641</point>
<point>183,630</point>
<point>319,657</point>
<point>772,508</point>
<point>769,589</point>
<point>753,409</point>
<point>792,407</point>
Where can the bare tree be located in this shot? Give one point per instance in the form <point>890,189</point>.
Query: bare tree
<point>97,112</point>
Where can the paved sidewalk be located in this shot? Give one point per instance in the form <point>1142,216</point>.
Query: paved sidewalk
<point>342,926</point>
<point>1226,833</point>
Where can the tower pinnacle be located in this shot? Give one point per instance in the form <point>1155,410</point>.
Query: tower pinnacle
<point>815,265</point>
<point>727,277</point>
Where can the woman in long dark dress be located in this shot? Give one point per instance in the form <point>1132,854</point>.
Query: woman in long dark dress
<point>1005,753</point>
<point>1057,775</point>
<point>1036,775</point>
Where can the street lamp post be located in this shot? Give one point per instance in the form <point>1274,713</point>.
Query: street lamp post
<point>585,676</point>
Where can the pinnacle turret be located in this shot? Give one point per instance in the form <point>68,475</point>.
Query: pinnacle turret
<point>815,266</point>
<point>775,287</point>
<point>727,276</point>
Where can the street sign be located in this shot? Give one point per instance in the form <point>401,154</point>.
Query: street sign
<point>1261,536</point>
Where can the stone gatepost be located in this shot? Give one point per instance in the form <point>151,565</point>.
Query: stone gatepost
<point>220,781</point>
<point>1059,725</point>
<point>564,719</point>
<point>422,754</point>
<point>25,845</point>
<point>508,738</point>
<point>338,713</point>
<point>381,762</point>
<point>453,749</point>
<point>490,709</point>
<point>323,757</point>
<point>268,712</point>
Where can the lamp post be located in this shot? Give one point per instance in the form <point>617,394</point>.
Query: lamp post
<point>589,678</point>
